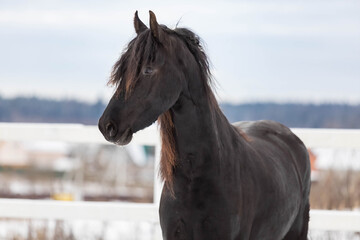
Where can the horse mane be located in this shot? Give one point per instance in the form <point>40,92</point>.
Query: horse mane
<point>126,70</point>
<point>125,75</point>
<point>167,130</point>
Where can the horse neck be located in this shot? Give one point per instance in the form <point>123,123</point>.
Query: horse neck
<point>194,131</point>
<point>201,131</point>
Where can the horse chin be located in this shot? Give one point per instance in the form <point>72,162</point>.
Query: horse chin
<point>125,138</point>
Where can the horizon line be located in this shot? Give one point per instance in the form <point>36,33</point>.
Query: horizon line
<point>226,101</point>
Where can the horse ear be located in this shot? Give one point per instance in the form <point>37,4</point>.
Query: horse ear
<point>138,24</point>
<point>154,26</point>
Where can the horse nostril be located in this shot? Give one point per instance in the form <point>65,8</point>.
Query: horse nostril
<point>111,130</point>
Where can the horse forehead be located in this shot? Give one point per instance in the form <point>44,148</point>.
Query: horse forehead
<point>146,49</point>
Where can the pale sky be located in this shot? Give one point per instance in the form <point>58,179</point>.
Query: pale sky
<point>306,51</point>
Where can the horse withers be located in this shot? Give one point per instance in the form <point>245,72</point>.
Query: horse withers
<point>248,180</point>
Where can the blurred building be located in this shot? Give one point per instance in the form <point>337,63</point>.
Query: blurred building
<point>13,154</point>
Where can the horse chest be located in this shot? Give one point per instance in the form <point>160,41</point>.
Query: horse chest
<point>198,211</point>
<point>198,220</point>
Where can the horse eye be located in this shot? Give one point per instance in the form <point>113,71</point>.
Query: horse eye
<point>148,70</point>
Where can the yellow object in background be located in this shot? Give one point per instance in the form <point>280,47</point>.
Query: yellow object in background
<point>63,196</point>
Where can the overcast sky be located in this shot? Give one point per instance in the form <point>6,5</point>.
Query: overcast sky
<point>305,51</point>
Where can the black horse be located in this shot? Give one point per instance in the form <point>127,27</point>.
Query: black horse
<point>249,180</point>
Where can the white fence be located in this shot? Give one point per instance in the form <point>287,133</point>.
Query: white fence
<point>105,211</point>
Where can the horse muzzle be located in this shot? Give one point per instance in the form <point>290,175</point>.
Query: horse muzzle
<point>112,134</point>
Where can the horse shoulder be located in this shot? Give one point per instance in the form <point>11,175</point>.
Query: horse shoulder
<point>262,128</point>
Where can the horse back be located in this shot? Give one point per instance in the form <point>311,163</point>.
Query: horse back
<point>267,137</point>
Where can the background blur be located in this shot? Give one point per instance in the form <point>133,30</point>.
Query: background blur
<point>296,62</point>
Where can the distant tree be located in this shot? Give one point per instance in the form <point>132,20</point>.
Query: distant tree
<point>34,109</point>
<point>297,115</point>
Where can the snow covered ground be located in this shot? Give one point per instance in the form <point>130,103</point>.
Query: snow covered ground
<point>340,159</point>
<point>95,230</point>
<point>78,230</point>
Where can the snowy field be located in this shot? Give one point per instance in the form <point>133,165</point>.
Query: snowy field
<point>11,229</point>
<point>337,159</point>
<point>115,230</point>
<point>78,230</point>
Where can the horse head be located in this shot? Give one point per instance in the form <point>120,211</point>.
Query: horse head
<point>148,82</point>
